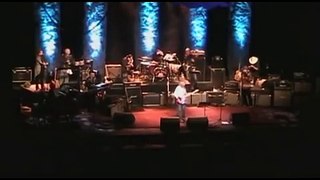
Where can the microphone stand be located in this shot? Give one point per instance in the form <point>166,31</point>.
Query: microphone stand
<point>241,85</point>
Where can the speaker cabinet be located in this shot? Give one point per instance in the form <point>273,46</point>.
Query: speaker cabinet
<point>205,85</point>
<point>198,123</point>
<point>232,98</point>
<point>302,87</point>
<point>216,98</point>
<point>218,76</point>
<point>201,65</point>
<point>151,99</point>
<point>240,119</point>
<point>122,119</point>
<point>170,124</point>
<point>282,97</point>
<point>196,98</point>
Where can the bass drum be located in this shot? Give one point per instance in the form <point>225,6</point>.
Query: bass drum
<point>160,73</point>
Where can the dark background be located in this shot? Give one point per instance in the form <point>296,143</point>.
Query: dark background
<point>284,35</point>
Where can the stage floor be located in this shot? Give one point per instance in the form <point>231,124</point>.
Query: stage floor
<point>149,117</point>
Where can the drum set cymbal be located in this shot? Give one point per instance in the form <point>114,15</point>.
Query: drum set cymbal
<point>149,63</point>
<point>144,58</point>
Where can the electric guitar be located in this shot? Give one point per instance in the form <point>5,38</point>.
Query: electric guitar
<point>180,100</point>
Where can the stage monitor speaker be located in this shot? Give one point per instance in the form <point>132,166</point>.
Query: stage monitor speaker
<point>114,72</point>
<point>123,119</point>
<point>21,74</point>
<point>240,119</point>
<point>169,124</point>
<point>218,76</point>
<point>198,123</point>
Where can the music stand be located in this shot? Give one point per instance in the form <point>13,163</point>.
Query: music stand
<point>204,105</point>
<point>217,99</point>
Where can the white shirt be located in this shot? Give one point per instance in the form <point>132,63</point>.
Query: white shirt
<point>180,92</point>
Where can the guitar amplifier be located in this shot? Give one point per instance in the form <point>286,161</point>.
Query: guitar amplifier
<point>262,99</point>
<point>21,74</point>
<point>232,97</point>
<point>216,97</point>
<point>151,99</point>
<point>196,98</point>
<point>302,87</point>
<point>282,97</point>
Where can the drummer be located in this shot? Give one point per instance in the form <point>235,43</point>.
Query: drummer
<point>128,66</point>
<point>158,57</point>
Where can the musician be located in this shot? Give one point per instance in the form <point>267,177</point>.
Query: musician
<point>247,76</point>
<point>180,94</point>
<point>254,68</point>
<point>158,56</point>
<point>40,70</point>
<point>188,68</point>
<point>128,66</point>
<point>90,83</point>
<point>67,60</point>
<point>66,63</point>
<point>92,80</point>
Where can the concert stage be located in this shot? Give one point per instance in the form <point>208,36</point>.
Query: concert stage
<point>147,121</point>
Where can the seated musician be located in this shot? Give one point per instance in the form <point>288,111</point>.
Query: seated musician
<point>128,67</point>
<point>92,80</point>
<point>90,83</point>
<point>158,56</point>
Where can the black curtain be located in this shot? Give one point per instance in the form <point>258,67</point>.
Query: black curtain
<point>72,27</point>
<point>285,37</point>
<point>174,28</point>
<point>121,28</point>
<point>217,36</point>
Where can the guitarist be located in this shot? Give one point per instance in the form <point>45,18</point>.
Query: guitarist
<point>40,70</point>
<point>180,94</point>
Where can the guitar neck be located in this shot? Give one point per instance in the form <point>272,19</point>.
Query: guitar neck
<point>189,94</point>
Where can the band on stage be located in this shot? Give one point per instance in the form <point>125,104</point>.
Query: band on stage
<point>160,67</point>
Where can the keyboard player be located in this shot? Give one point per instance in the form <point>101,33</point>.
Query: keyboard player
<point>91,95</point>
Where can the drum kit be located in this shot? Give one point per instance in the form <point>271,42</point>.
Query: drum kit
<point>157,71</point>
